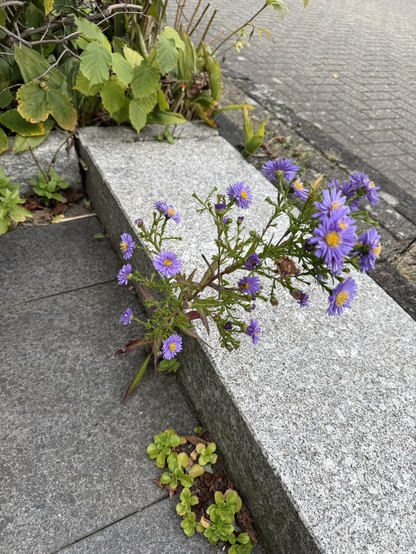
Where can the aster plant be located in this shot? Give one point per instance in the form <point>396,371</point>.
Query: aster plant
<point>321,244</point>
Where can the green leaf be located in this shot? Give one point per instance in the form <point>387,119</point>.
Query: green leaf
<point>187,59</point>
<point>137,377</point>
<point>19,214</point>
<point>15,122</point>
<point>145,80</point>
<point>62,109</point>
<point>99,236</point>
<point>95,63</point>
<point>161,99</point>
<point>3,141</point>
<point>170,33</point>
<point>112,94</point>
<point>165,118</point>
<point>138,114</point>
<point>83,85</point>
<point>3,17</point>
<point>133,57</point>
<point>122,68</point>
<point>4,224</point>
<point>92,31</point>
<point>214,75</point>
<point>32,65</point>
<point>20,144</point>
<point>34,16</point>
<point>149,102</point>
<point>123,114</point>
<point>32,102</point>
<point>166,54</point>
<point>5,98</point>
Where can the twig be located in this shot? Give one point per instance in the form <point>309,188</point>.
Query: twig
<point>208,26</point>
<point>193,16</point>
<point>13,3</point>
<point>57,152</point>
<point>200,19</point>
<point>38,164</point>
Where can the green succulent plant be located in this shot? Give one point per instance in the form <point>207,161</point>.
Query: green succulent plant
<point>162,446</point>
<point>184,507</point>
<point>207,453</point>
<point>48,186</point>
<point>243,548</point>
<point>176,474</point>
<point>188,524</point>
<point>218,529</point>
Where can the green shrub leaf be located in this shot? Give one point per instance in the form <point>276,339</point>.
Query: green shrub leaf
<point>32,102</point>
<point>95,63</point>
<point>62,109</point>
<point>166,54</point>
<point>32,65</point>
<point>92,31</point>
<point>122,68</point>
<point>15,122</point>
<point>138,114</point>
<point>3,141</point>
<point>145,80</point>
<point>165,118</point>
<point>20,144</point>
<point>133,57</point>
<point>83,85</point>
<point>169,32</point>
<point>112,94</point>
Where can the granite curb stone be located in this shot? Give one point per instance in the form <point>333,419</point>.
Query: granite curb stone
<point>21,167</point>
<point>316,434</point>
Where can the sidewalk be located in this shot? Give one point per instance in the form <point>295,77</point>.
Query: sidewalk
<point>74,473</point>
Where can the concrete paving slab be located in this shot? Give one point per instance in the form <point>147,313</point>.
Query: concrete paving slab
<point>150,531</point>
<point>320,416</point>
<point>72,456</point>
<point>39,261</point>
<point>21,167</point>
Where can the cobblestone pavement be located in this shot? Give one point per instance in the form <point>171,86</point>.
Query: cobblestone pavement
<point>348,67</point>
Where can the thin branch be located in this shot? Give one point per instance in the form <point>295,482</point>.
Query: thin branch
<point>13,3</point>
<point>38,164</point>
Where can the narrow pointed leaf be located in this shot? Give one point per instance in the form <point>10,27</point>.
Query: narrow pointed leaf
<point>131,345</point>
<point>190,333</point>
<point>204,319</point>
<point>137,377</point>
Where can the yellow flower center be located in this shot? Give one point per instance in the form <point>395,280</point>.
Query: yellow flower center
<point>334,205</point>
<point>171,211</point>
<point>244,285</point>
<point>243,194</point>
<point>298,185</point>
<point>123,245</point>
<point>342,224</point>
<point>333,239</point>
<point>341,298</point>
<point>376,249</point>
<point>371,184</point>
<point>166,261</point>
<point>172,346</point>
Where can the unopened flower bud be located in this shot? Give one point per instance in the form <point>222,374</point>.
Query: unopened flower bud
<point>185,305</point>
<point>274,301</point>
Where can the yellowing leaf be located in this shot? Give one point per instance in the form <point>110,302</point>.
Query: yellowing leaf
<point>318,180</point>
<point>62,109</point>
<point>21,144</point>
<point>3,141</point>
<point>57,218</point>
<point>47,6</point>
<point>32,102</point>
<point>134,58</point>
<point>15,122</point>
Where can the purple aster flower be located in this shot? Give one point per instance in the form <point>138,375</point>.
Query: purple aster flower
<point>331,199</point>
<point>228,325</point>
<point>126,317</point>
<point>226,220</point>
<point>341,296</point>
<point>299,189</point>
<point>371,242</point>
<point>123,274</point>
<point>153,307</point>
<point>281,167</point>
<point>161,206</point>
<point>361,180</point>
<point>167,263</point>
<point>253,330</point>
<point>240,219</point>
<point>171,346</point>
<point>185,305</point>
<point>126,245</point>
<point>251,261</point>
<point>241,193</point>
<point>250,284</point>
<point>348,190</point>
<point>139,222</point>
<point>251,308</point>
<point>220,207</point>
<point>334,237</point>
<point>301,297</point>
